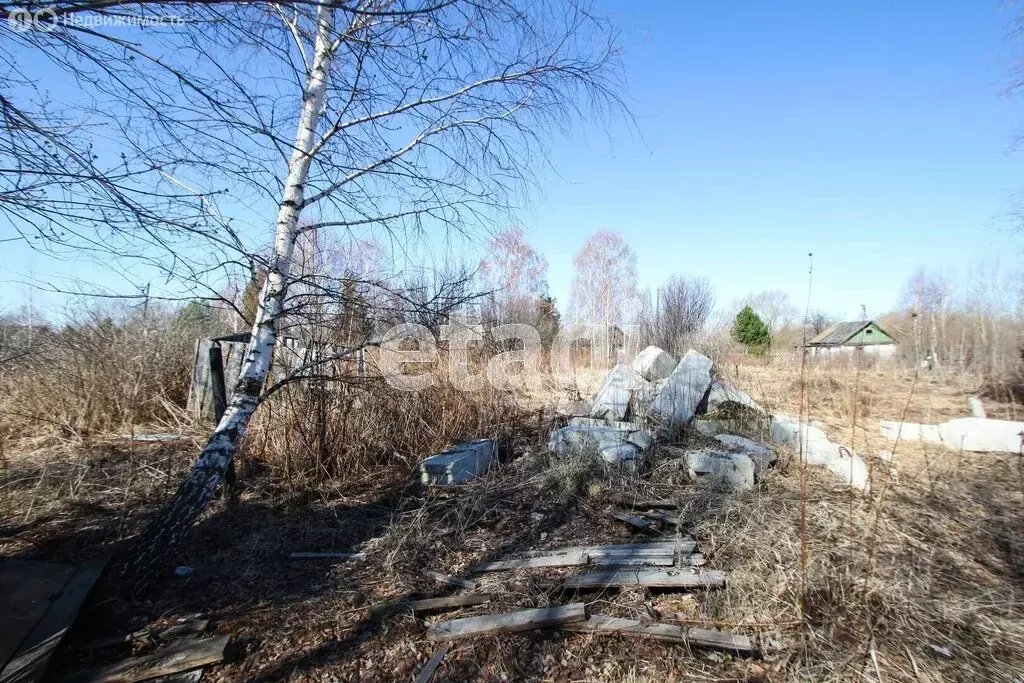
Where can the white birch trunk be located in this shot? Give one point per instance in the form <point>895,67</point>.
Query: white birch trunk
<point>151,551</point>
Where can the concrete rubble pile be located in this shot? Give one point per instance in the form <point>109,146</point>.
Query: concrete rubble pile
<point>651,399</point>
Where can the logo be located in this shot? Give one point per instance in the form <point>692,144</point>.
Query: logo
<point>45,20</point>
<point>20,20</point>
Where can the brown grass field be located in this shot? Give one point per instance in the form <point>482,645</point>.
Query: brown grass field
<point>922,580</point>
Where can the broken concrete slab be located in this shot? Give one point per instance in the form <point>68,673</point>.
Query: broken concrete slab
<point>643,398</point>
<point>723,393</point>
<point>459,464</point>
<point>982,435</point>
<point>614,445</point>
<point>910,431</point>
<point>654,364</point>
<point>818,450</point>
<point>685,388</point>
<point>762,456</point>
<point>612,400</point>
<point>597,422</point>
<point>633,432</point>
<point>975,434</point>
<point>721,469</point>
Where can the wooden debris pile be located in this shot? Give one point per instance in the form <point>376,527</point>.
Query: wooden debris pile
<point>667,564</point>
<point>45,602</point>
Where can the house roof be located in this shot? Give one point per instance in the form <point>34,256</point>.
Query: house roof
<point>840,333</point>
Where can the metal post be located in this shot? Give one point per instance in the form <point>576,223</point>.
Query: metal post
<point>220,404</point>
<point>220,393</point>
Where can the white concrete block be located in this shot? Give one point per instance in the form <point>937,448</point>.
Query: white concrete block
<point>684,389</point>
<point>762,456</point>
<point>723,469</point>
<point>459,464</point>
<point>653,364</point>
<point>612,400</point>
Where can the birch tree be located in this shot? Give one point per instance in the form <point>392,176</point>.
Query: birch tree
<point>515,276</point>
<point>604,287</point>
<point>403,120</point>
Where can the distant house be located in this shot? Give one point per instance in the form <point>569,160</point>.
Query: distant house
<point>864,336</point>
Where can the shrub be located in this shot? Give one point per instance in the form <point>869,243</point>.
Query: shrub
<point>750,330</point>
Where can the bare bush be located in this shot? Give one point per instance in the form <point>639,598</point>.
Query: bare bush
<point>344,428</point>
<point>681,309</point>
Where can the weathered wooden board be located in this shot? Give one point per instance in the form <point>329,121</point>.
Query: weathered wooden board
<point>696,637</point>
<point>430,604</point>
<point>451,580</point>
<point>649,578</point>
<point>514,622</point>
<point>33,654</point>
<point>557,560</point>
<point>634,521</point>
<point>643,503</point>
<point>658,516</point>
<point>658,548</point>
<point>427,672</point>
<point>27,589</point>
<point>635,561</point>
<point>182,655</point>
<point>328,556</point>
<point>189,627</point>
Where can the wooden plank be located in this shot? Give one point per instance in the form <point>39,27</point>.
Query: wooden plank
<point>662,517</point>
<point>696,637</point>
<point>323,556</point>
<point>27,588</point>
<point>451,580</point>
<point>634,521</point>
<point>640,552</point>
<point>33,655</point>
<point>635,561</point>
<point>644,503</point>
<point>189,627</point>
<point>183,655</point>
<point>427,672</point>
<point>493,624</point>
<point>649,578</point>
<point>559,560</point>
<point>429,604</point>
<point>658,548</point>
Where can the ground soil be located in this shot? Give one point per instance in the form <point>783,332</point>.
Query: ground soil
<point>922,580</point>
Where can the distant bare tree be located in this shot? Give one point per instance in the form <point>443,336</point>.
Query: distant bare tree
<point>604,287</point>
<point>774,307</point>
<point>818,321</point>
<point>514,275</point>
<point>681,308</point>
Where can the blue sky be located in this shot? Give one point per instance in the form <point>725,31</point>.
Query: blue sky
<point>878,136</point>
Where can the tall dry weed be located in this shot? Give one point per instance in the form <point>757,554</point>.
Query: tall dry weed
<point>108,371</point>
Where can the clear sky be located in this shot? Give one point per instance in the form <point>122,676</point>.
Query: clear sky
<point>877,135</point>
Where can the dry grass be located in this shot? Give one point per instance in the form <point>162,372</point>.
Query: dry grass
<point>932,562</point>
<point>105,373</point>
<point>337,433</point>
